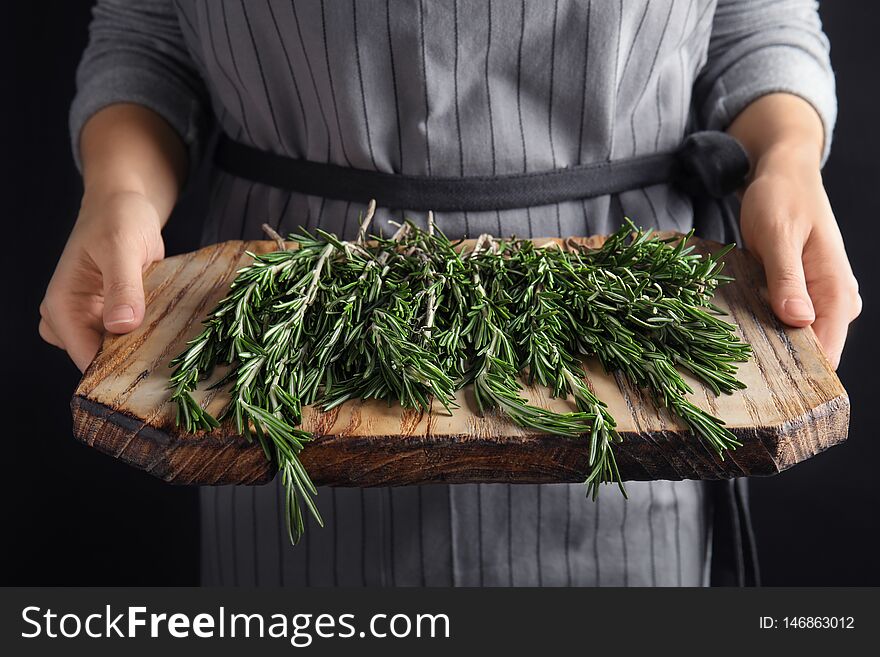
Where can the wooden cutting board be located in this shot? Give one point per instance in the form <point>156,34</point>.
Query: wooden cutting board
<point>794,406</point>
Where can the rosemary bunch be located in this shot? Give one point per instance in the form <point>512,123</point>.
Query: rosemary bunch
<point>383,357</point>
<point>644,307</point>
<point>494,359</point>
<point>413,318</point>
<point>446,300</point>
<point>265,397</point>
<point>544,352</point>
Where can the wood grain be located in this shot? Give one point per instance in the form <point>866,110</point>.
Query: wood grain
<point>794,406</point>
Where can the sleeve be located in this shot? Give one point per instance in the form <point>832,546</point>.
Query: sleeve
<point>137,54</point>
<point>760,47</point>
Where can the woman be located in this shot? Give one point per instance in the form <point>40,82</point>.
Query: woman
<point>454,88</point>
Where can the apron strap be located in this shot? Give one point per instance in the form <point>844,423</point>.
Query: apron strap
<point>734,549</point>
<point>707,163</point>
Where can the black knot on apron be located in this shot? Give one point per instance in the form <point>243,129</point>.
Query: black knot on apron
<point>711,163</point>
<point>707,163</point>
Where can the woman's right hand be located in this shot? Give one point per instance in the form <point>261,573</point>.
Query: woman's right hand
<point>98,282</point>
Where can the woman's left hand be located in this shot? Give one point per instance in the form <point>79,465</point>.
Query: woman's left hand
<point>788,224</point>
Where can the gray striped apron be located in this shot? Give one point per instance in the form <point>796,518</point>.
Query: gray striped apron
<point>455,88</point>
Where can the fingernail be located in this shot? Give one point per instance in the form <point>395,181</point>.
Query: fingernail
<point>119,315</point>
<point>798,309</point>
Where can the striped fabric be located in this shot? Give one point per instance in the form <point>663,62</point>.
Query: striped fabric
<point>464,535</point>
<point>454,88</point>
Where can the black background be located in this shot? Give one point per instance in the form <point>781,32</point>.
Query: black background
<point>74,516</point>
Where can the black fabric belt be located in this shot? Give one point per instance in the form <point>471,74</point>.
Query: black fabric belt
<point>707,163</point>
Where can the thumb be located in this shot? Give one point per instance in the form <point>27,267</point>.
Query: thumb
<point>123,293</point>
<point>787,286</point>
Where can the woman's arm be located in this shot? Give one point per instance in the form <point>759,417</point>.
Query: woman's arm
<point>126,148</point>
<point>133,165</point>
<point>787,220</point>
<point>768,80</point>
<point>137,121</point>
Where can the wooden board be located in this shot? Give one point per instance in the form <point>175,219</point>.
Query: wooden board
<point>794,406</point>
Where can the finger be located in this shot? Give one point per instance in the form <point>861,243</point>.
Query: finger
<point>71,319</point>
<point>787,285</point>
<point>123,292</point>
<point>831,333</point>
<point>832,323</point>
<point>48,334</point>
<point>79,337</point>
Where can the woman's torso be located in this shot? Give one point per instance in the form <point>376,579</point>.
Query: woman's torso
<point>447,88</point>
<point>459,87</point>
